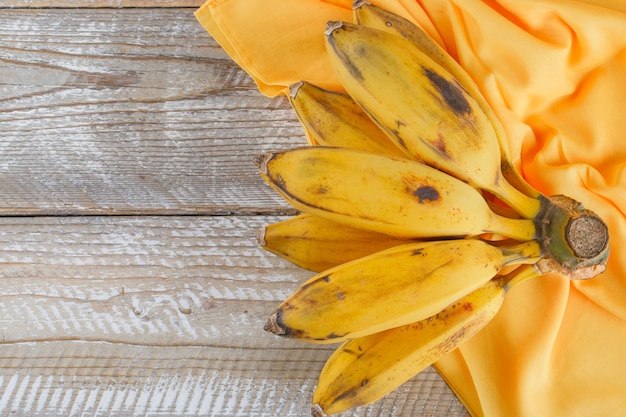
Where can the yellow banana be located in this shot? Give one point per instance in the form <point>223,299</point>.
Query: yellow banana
<point>422,107</point>
<point>364,369</point>
<point>317,244</point>
<point>398,197</point>
<point>392,288</point>
<point>333,119</point>
<point>369,15</point>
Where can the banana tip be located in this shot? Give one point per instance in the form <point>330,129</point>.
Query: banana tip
<point>360,3</point>
<point>294,88</point>
<point>260,237</point>
<point>272,324</point>
<point>331,26</point>
<point>261,162</point>
<point>316,411</point>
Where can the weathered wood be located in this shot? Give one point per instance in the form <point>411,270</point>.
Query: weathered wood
<point>107,110</point>
<point>194,381</point>
<point>20,4</point>
<point>123,279</point>
<point>146,315</point>
<point>130,111</point>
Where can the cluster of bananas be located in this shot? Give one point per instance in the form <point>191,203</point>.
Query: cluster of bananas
<point>413,217</point>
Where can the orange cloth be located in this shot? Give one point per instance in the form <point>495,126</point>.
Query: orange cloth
<point>555,73</point>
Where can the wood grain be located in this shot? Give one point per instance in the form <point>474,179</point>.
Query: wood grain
<point>158,316</point>
<point>130,280</point>
<point>19,4</point>
<point>127,112</point>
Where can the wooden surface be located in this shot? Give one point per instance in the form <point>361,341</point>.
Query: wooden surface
<point>130,280</point>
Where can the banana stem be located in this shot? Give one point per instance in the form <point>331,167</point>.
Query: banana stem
<point>521,274</point>
<point>526,206</point>
<point>575,240</point>
<point>524,253</point>
<point>518,229</point>
<point>514,177</point>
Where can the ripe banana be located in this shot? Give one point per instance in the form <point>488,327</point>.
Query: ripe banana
<point>398,197</point>
<point>333,119</point>
<point>364,369</point>
<point>317,244</point>
<point>413,151</point>
<point>366,14</point>
<point>392,288</point>
<point>422,107</point>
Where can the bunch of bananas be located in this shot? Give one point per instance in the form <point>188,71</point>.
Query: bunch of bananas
<point>414,218</point>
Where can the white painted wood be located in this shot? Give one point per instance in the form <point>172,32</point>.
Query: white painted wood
<point>130,111</point>
<point>137,113</point>
<point>99,3</point>
<point>159,315</point>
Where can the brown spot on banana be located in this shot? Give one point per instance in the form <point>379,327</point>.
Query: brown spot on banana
<point>426,194</point>
<point>332,336</point>
<point>450,92</point>
<point>417,325</point>
<point>345,394</point>
<point>440,145</point>
<point>307,285</point>
<point>353,353</point>
<point>457,338</point>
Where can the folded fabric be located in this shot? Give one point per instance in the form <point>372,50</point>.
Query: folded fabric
<point>554,72</point>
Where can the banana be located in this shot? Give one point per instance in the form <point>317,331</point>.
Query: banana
<point>318,244</point>
<point>369,15</point>
<point>393,196</point>
<point>364,369</point>
<point>332,118</point>
<point>391,288</point>
<point>422,108</point>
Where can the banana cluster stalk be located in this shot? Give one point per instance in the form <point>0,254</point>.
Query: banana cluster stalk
<point>413,216</point>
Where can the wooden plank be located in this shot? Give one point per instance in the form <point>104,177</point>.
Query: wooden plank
<point>138,111</point>
<point>159,316</point>
<point>138,381</point>
<point>130,111</point>
<point>21,4</point>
